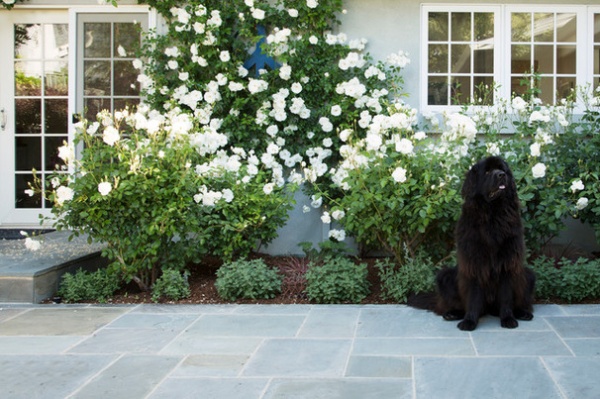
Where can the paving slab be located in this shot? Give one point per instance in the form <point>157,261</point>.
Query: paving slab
<point>299,357</point>
<point>367,388</point>
<point>131,376</point>
<point>60,321</point>
<point>47,376</point>
<point>573,376</point>
<point>496,378</point>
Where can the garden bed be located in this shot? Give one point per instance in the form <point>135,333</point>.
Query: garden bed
<point>203,291</point>
<point>202,278</point>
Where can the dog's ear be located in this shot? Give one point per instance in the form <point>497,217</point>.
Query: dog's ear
<point>469,187</point>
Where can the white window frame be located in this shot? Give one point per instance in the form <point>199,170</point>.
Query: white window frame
<point>502,43</point>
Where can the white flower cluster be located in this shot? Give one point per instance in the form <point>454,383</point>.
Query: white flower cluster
<point>399,59</point>
<point>210,198</point>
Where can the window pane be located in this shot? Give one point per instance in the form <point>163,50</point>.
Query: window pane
<point>566,60</point>
<point>28,78</point>
<point>566,28</point>
<point>438,26</point>
<point>122,103</point>
<point>564,87</point>
<point>56,41</point>
<point>437,91</point>
<point>23,200</point>
<point>484,61</point>
<point>544,59</point>
<point>28,115</point>
<point>597,28</point>
<point>543,27</point>
<point>97,40</point>
<point>438,58</point>
<point>521,27</point>
<point>483,90</point>
<point>56,113</point>
<point>127,39</point>
<point>28,153</point>
<point>597,60</point>
<point>461,27</point>
<point>461,90</point>
<point>125,78</point>
<point>51,152</point>
<point>95,105</point>
<point>520,59</point>
<point>97,78</point>
<point>28,41</point>
<point>484,26</point>
<point>546,85</point>
<point>56,78</point>
<point>461,58</point>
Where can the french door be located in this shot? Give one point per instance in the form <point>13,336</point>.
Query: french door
<point>53,64</point>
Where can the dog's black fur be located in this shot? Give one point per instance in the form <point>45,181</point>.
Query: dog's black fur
<point>490,277</point>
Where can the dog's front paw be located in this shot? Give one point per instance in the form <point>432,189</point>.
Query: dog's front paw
<point>453,315</point>
<point>509,322</point>
<point>523,315</point>
<point>467,325</point>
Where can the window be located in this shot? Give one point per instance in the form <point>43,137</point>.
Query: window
<point>468,48</point>
<point>544,43</point>
<point>461,55</point>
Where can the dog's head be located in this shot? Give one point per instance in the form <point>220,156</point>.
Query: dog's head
<point>490,179</point>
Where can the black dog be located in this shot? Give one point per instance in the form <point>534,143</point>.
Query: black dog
<point>490,277</point>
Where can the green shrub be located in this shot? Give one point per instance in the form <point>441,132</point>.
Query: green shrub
<point>416,275</point>
<point>247,280</point>
<point>172,284</point>
<point>338,280</point>
<point>88,286</point>
<point>567,281</point>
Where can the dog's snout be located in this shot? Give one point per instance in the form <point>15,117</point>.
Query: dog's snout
<point>500,174</point>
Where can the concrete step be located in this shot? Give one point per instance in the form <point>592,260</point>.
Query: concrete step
<point>28,276</point>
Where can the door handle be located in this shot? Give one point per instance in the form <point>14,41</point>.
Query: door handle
<point>2,119</point>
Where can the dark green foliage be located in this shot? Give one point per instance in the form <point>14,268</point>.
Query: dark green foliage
<point>416,275</point>
<point>88,286</point>
<point>172,284</point>
<point>247,280</point>
<point>567,280</point>
<point>338,280</point>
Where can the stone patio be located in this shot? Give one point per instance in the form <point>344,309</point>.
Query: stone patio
<point>293,351</point>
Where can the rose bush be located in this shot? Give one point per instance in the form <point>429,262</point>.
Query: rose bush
<point>161,191</point>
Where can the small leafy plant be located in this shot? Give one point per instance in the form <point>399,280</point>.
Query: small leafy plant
<point>172,285</point>
<point>245,279</point>
<point>416,275</point>
<point>88,286</point>
<point>338,280</point>
<point>567,280</point>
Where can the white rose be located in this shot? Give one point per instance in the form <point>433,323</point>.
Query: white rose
<point>577,185</point>
<point>399,175</point>
<point>539,170</point>
<point>582,203</point>
<point>104,188</point>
